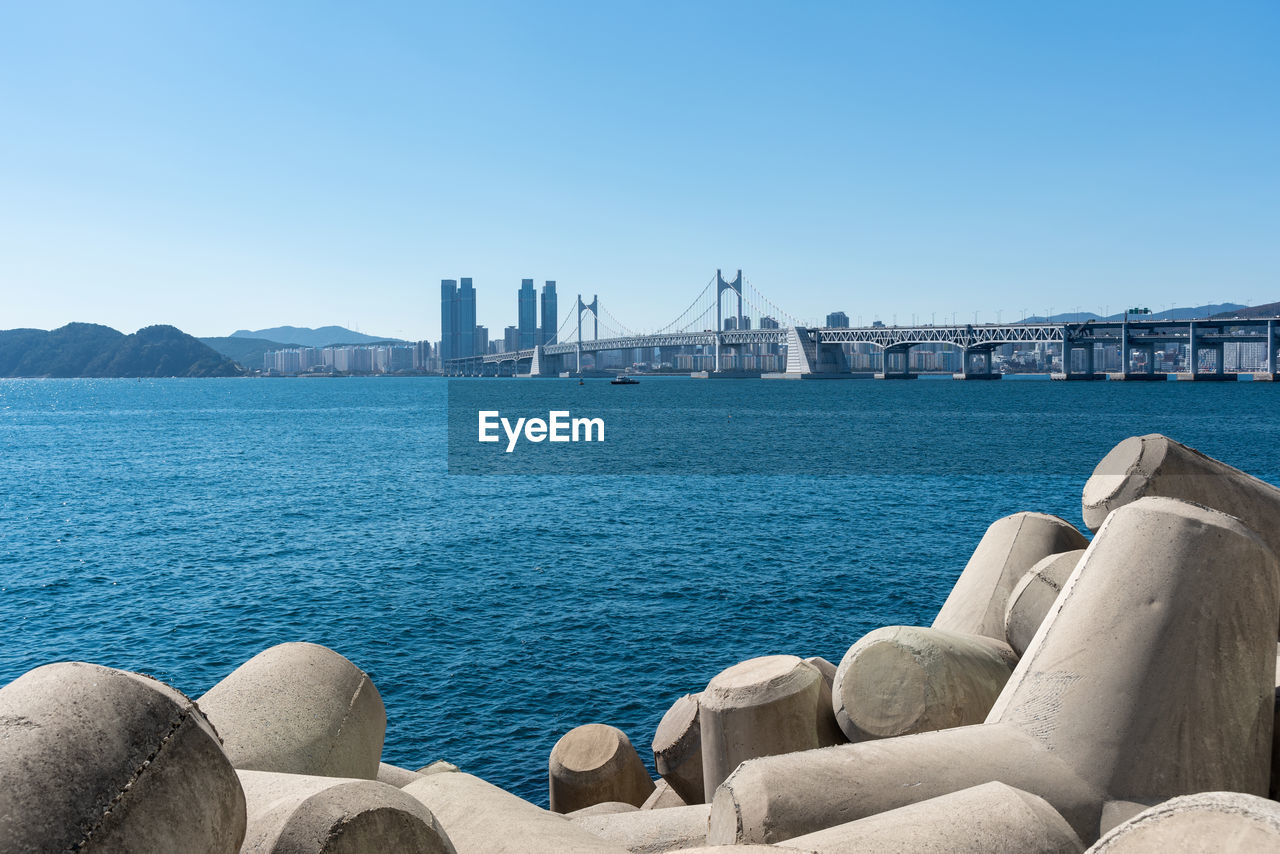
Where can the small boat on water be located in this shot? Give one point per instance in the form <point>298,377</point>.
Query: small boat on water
<point>624,380</point>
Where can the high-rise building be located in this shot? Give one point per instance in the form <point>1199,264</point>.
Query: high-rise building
<point>767,322</point>
<point>527,314</point>
<point>510,339</point>
<point>547,334</point>
<point>467,319</point>
<point>457,319</point>
<point>448,318</point>
<point>480,344</point>
<point>837,320</point>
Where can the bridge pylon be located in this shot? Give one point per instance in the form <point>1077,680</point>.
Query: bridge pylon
<point>594,309</point>
<point>734,287</point>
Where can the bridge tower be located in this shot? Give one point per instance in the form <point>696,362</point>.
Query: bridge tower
<point>721,286</point>
<point>583,308</point>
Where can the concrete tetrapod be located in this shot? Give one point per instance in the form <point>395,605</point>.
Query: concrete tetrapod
<point>480,818</point>
<point>594,763</point>
<point>652,831</point>
<point>101,760</point>
<point>1009,548</point>
<point>1155,465</point>
<point>664,797</point>
<point>988,819</point>
<point>1275,736</point>
<point>677,749</point>
<point>1151,677</point>
<point>1034,595</point>
<point>299,814</point>
<point>394,776</point>
<point>603,808</point>
<point>903,679</point>
<point>1226,822</point>
<point>760,707</point>
<point>299,708</point>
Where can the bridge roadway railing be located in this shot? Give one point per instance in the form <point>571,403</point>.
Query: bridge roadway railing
<point>966,336</point>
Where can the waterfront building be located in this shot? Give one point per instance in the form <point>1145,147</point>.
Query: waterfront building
<point>466,318</point>
<point>448,319</point>
<point>422,356</point>
<point>527,314</point>
<point>480,344</point>
<point>510,339</point>
<point>838,320</point>
<point>547,332</point>
<point>457,318</point>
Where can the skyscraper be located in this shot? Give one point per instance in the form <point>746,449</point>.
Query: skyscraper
<point>527,315</point>
<point>467,319</point>
<point>448,318</point>
<point>547,334</point>
<point>457,319</point>
<point>837,320</point>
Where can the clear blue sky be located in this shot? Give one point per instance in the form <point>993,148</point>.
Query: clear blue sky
<point>250,164</point>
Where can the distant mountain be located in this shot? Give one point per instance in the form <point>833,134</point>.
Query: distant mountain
<point>90,350</point>
<point>302,336</point>
<point>1271,309</point>
<point>247,351</point>
<point>1228,308</point>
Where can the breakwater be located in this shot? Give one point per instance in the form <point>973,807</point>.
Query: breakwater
<point>178,528</point>
<point>1140,713</point>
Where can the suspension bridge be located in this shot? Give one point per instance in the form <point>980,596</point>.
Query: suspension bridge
<point>718,322</point>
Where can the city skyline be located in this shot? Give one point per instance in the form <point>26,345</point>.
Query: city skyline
<point>874,160</point>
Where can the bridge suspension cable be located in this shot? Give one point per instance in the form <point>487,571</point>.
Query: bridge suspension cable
<point>775,310</point>
<point>567,319</point>
<point>671,327</point>
<point>619,324</point>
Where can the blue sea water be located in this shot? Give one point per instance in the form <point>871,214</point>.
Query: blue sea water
<point>178,527</point>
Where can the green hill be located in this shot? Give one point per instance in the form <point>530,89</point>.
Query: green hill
<point>91,350</point>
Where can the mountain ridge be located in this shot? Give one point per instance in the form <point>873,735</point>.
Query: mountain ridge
<point>94,350</point>
<point>305,336</point>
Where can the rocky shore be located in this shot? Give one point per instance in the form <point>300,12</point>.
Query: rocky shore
<point>1114,694</point>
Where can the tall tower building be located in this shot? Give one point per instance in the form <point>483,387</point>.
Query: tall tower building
<point>547,335</point>
<point>448,319</point>
<point>837,320</point>
<point>466,319</point>
<point>527,316</point>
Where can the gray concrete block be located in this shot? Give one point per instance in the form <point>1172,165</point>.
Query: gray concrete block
<point>480,818</point>
<point>988,819</point>
<point>605,808</point>
<point>760,707</point>
<point>1034,595</point>
<point>664,797</point>
<point>594,763</point>
<point>736,849</point>
<point>1009,548</point>
<point>904,679</point>
<point>393,776</point>
<point>300,814</point>
<point>438,767</point>
<point>652,831</point>
<point>1227,822</point>
<point>826,668</point>
<point>1152,677</point>
<point>1275,736</point>
<point>1155,465</point>
<point>299,708</point>
<point>677,749</point>
<point>97,759</point>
